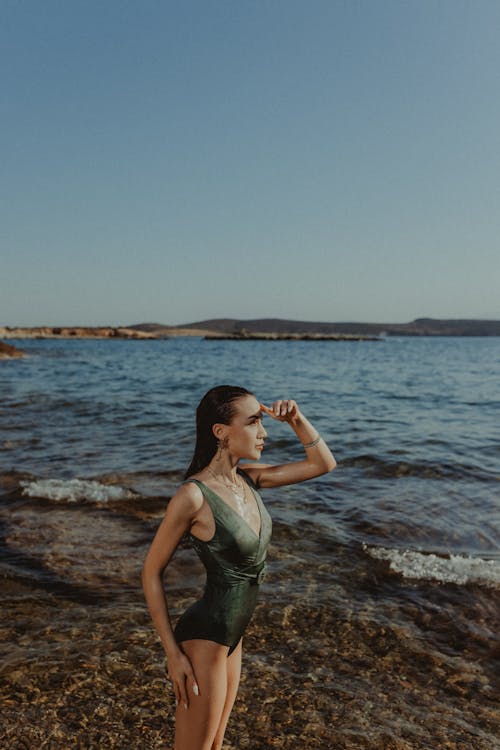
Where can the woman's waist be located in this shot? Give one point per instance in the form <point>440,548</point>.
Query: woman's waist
<point>250,576</point>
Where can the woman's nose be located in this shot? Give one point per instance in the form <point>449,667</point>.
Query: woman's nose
<point>262,432</point>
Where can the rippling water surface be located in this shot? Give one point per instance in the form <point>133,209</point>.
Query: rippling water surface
<point>381,607</point>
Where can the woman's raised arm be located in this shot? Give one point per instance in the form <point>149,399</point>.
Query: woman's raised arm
<point>319,459</point>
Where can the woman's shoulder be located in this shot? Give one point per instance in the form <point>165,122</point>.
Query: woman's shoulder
<point>188,497</point>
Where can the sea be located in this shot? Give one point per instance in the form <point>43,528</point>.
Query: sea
<point>378,622</point>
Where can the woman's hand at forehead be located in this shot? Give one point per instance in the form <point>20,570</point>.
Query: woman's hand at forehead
<point>284,410</point>
<point>317,461</point>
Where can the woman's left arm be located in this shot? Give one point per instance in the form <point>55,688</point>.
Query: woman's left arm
<point>319,459</point>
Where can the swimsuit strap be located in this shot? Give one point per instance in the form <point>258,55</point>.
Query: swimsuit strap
<point>207,493</point>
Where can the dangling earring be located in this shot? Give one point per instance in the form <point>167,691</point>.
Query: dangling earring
<point>221,445</point>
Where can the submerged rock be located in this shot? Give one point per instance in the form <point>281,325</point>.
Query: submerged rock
<point>7,351</point>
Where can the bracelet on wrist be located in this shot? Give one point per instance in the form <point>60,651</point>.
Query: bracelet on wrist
<point>313,442</point>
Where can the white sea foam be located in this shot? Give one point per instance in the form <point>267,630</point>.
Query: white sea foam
<point>427,566</point>
<point>75,490</point>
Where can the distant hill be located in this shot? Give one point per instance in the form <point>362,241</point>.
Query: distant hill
<point>280,327</point>
<point>418,327</point>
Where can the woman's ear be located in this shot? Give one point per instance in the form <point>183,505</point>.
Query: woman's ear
<point>219,430</point>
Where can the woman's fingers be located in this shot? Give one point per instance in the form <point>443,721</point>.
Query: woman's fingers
<point>183,693</point>
<point>191,679</point>
<point>175,686</point>
<point>267,410</point>
<point>177,693</point>
<point>273,411</point>
<point>280,409</point>
<point>185,679</point>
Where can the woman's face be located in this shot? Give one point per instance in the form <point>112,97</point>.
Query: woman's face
<point>246,433</point>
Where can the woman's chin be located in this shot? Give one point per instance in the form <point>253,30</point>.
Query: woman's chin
<point>252,456</point>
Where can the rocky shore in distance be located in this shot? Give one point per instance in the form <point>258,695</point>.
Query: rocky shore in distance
<point>247,336</point>
<point>62,332</point>
<point>266,329</point>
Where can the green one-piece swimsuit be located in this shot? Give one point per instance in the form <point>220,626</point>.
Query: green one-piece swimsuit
<point>234,559</point>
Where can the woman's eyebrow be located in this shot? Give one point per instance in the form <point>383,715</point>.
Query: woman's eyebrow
<point>255,416</point>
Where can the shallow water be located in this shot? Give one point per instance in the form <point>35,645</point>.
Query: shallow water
<point>377,625</point>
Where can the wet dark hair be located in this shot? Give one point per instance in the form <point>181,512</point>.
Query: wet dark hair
<point>216,406</point>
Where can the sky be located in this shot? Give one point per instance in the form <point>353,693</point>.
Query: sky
<point>176,161</point>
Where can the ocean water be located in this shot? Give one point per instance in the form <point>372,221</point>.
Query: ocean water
<point>379,615</point>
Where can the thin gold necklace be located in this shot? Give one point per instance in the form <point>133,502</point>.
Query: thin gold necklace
<point>238,489</point>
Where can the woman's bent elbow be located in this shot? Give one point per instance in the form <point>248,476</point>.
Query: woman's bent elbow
<point>323,468</point>
<point>329,465</point>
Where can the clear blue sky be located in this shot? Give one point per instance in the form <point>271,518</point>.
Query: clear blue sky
<point>174,161</point>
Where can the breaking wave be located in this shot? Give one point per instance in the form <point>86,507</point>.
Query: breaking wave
<point>75,490</point>
<point>457,569</point>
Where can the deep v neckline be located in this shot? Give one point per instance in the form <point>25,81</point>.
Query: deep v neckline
<point>257,536</point>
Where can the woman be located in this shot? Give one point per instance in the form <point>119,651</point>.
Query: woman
<point>221,510</point>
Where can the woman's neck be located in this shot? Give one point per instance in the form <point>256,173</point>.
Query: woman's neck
<point>225,468</point>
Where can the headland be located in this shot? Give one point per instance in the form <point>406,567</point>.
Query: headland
<point>267,329</point>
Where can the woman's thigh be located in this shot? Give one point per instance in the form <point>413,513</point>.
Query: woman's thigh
<point>233,681</point>
<point>196,726</point>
